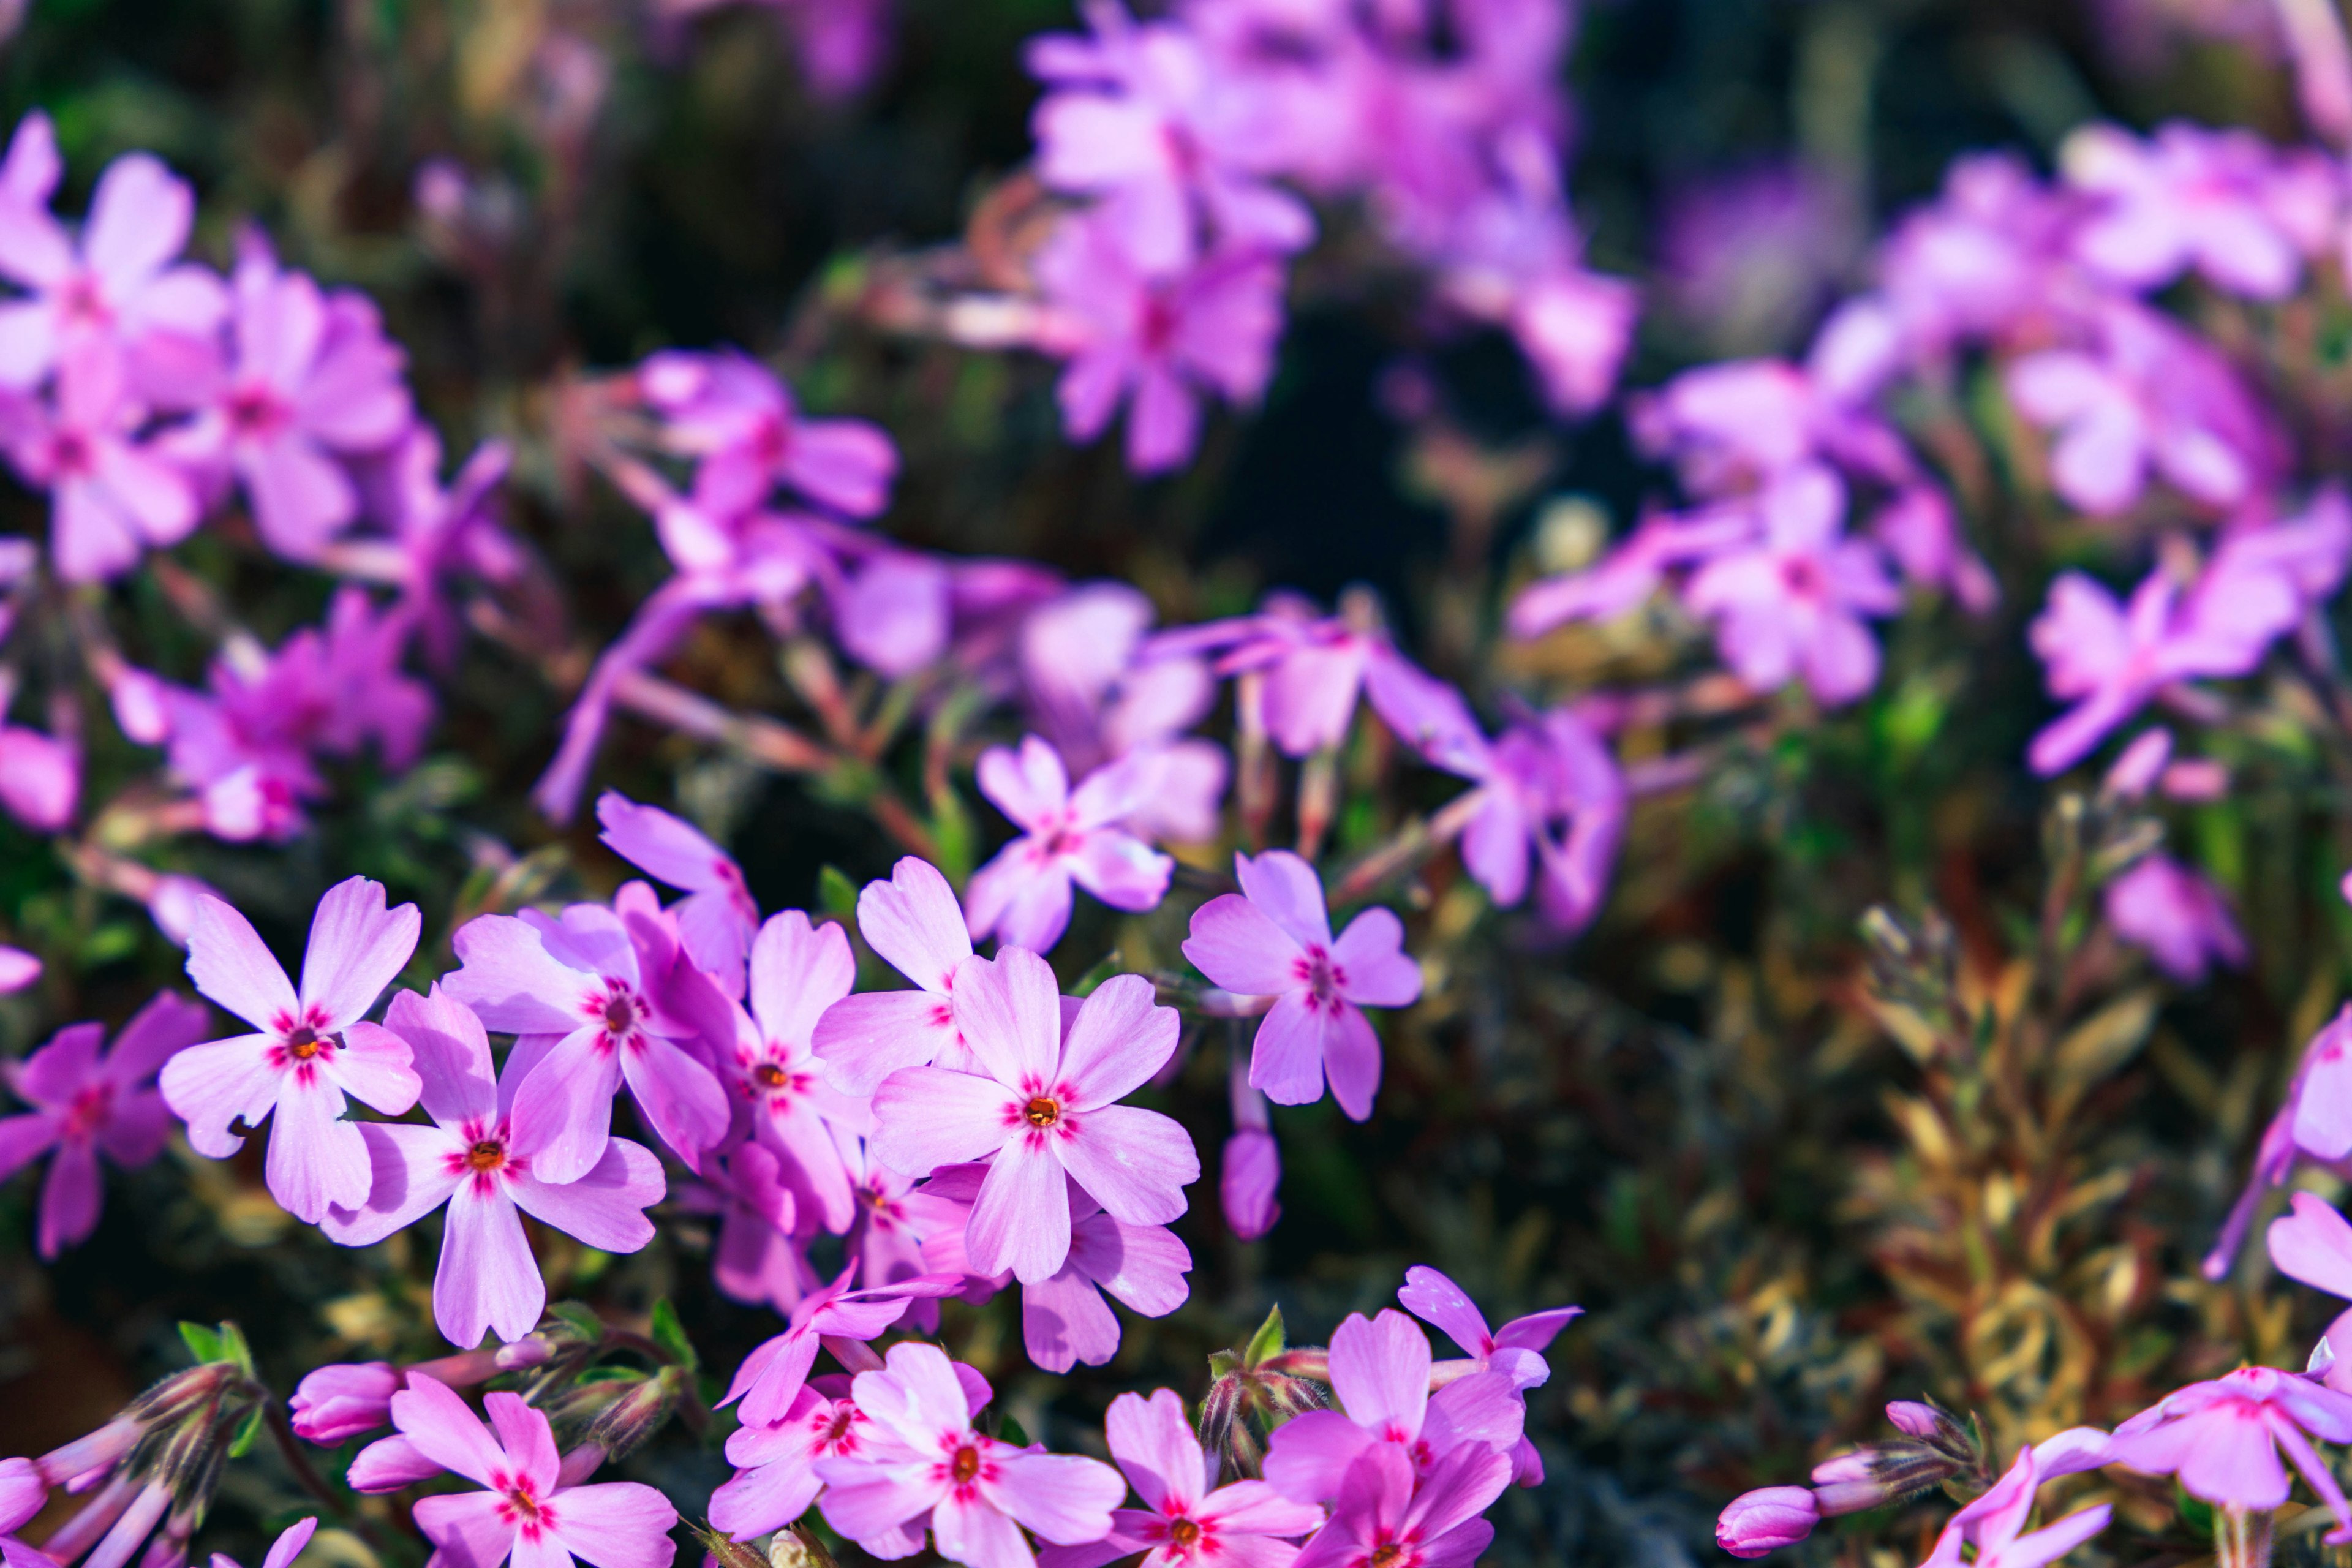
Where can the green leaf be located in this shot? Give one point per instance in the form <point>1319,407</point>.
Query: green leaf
<point>582,1321</point>
<point>1011,1431</point>
<point>670,1334</point>
<point>203,1343</point>
<point>837,893</point>
<point>1107,966</point>
<point>233,1343</point>
<point>246,1434</point>
<point>1267,1341</point>
<point>951,835</point>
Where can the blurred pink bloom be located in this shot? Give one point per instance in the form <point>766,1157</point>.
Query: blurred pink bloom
<point>914,924</point>
<point>581,979</point>
<point>1628,575</point>
<point>1381,1517</point>
<point>923,1464</point>
<point>1980,261</point>
<point>526,1511</point>
<point>1274,939</point>
<point>730,414</point>
<point>2313,1121</point>
<point>760,1256</point>
<point>2187,197</point>
<point>477,1158</point>
<point>797,972</point>
<point>2222,1440</point>
<point>1315,666</point>
<point>717,917</point>
<point>312,1048</point>
<point>1023,894</point>
<point>40,778</point>
<point>314,383</point>
<point>1992,1523</point>
<point>1249,1172</point>
<point>1766,1519</point>
<point>2179,917</point>
<point>18,969</point>
<point>1793,604</point>
<point>1746,258</point>
<point>443,535</point>
<point>1042,1106</point>
<point>894,613</point>
<point>85,1100</point>
<point>1731,426</point>
<point>1919,530</point>
<point>1186,1520</point>
<point>1168,341</point>
<point>113,494</point>
<point>1379,1371</point>
<point>771,1378</point>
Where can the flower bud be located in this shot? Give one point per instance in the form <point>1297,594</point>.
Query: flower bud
<point>728,1553</point>
<point>795,1547</point>
<point>336,1404</point>
<point>1883,1473</point>
<point>642,1410</point>
<point>1914,1419</point>
<point>1761,1520</point>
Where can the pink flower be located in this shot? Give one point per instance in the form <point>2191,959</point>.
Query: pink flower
<point>2222,1440</point>
<point>717,917</point>
<point>1380,1374</point>
<point>1274,939</point>
<point>1249,1172</point>
<point>1314,667</point>
<point>18,969</point>
<point>526,1511</point>
<point>1628,575</point>
<point>2313,1121</point>
<point>1169,341</point>
<point>314,384</point>
<point>775,1467</point>
<point>477,1158</point>
<point>2187,197</point>
<point>1042,1107</point>
<point>763,1234</point>
<point>581,979</point>
<point>335,1403</point>
<point>914,924</point>
<point>1022,895</point>
<point>1382,1518</point>
<point>886,1241</point>
<point>120,289</point>
<point>40,778</point>
<point>1766,1519</point>
<point>311,1049</point>
<point>1186,1521</point>
<point>1516,1349</point>
<point>84,1100</point>
<point>282,1551</point>
<point>1793,604</point>
<point>114,495</point>
<point>773,1375</point>
<point>1992,1523</point>
<point>736,419</point>
<point>2180,918</point>
<point>925,1465</point>
<point>797,972</point>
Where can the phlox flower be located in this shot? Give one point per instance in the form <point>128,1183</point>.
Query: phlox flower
<point>1042,1106</point>
<point>1314,667</point>
<point>120,289</point>
<point>525,1511</point>
<point>1516,1349</point>
<point>113,494</point>
<point>797,972</point>
<point>776,1479</point>
<point>914,924</point>
<point>730,414</point>
<point>760,1256</point>
<point>893,612</point>
<point>1628,575</point>
<point>18,969</point>
<point>887,1240</point>
<point>282,1551</point>
<point>925,1465</point>
<point>2178,915</point>
<point>1023,894</point>
<point>312,383</point>
<point>2222,1440</point>
<point>40,778</point>
<point>1730,426</point>
<point>717,917</point>
<point>581,978</point>
<point>477,1159</point>
<point>1187,1520</point>
<point>311,1048</point>
<point>2313,1121</point>
<point>1794,602</point>
<point>1380,1376</point>
<point>85,1100</point>
<point>1249,1170</point>
<point>2187,197</point>
<point>1165,341</point>
<point>1383,1517</point>
<point>1992,1523</point>
<point>773,1375</point>
<point>1274,939</point>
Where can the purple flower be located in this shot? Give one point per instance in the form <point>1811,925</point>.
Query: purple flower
<point>85,1100</point>
<point>1022,895</point>
<point>2313,1121</point>
<point>1043,1107</point>
<point>1249,1171</point>
<point>771,1378</point>
<point>582,980</point>
<point>335,1403</point>
<point>2222,1440</point>
<point>1516,1349</point>
<point>798,971</point>
<point>1766,1519</point>
<point>114,495</point>
<point>2179,917</point>
<point>1792,604</point>
<point>1314,667</point>
<point>730,414</point>
<point>40,778</point>
<point>914,924</point>
<point>477,1158</point>
<point>775,1466</point>
<point>1629,573</point>
<point>1383,1516</point>
<point>717,917</point>
<point>310,1050</point>
<point>1185,1523</point>
<point>924,1465</point>
<point>1992,1523</point>
<point>1166,342</point>
<point>313,384</point>
<point>525,1511</point>
<point>18,969</point>
<point>1274,939</point>
<point>2187,197</point>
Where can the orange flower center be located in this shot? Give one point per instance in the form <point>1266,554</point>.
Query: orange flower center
<point>966,1465</point>
<point>303,1043</point>
<point>486,1156</point>
<point>769,1075</point>
<point>1184,1532</point>
<point>1043,1111</point>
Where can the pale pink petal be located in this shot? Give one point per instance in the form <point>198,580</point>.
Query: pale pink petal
<point>412,1172</point>
<point>1379,973</point>
<point>373,1066</point>
<point>927,1117</point>
<point>866,1503</point>
<point>510,980</point>
<point>1288,890</point>
<point>606,1208</point>
<point>1024,900</point>
<point>1118,1040</point>
<point>357,947</point>
<point>524,1433</point>
<point>1154,1444</point>
<point>1030,787</point>
<point>1311,1454</point>
<point>316,1160</point>
<point>228,964</point>
<point>618,1524</point>
<point>2314,1244</point>
<point>1460,1486</point>
<point>139,219</point>
<point>1238,946</point>
<point>677,1093</point>
<point>1287,1060</point>
<point>1483,1408</point>
<point>302,500</point>
<point>1135,1163</point>
<point>913,922</point>
<point>487,1280</point>
<point>1010,1013</point>
<point>1352,1058</point>
<point>1256,1508</point>
<point>1022,1221</point>
<point>797,973</point>
<point>211,1086</point>
<point>442,1427</point>
<point>468,1528</point>
<point>1065,1320</point>
<point>864,1039</point>
<point>449,1054</point>
<point>1379,1370</point>
<point>1121,870</point>
<point>1437,1300</point>
<point>563,1111</point>
<point>1065,1498</point>
<point>290,1543</point>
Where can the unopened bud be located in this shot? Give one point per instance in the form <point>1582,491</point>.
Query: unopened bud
<point>1883,1473</point>
<point>728,1553</point>
<point>640,1413</point>
<point>573,1411</point>
<point>795,1547</point>
<point>1760,1521</point>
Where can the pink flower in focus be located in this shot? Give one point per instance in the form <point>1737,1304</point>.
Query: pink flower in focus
<point>1793,604</point>
<point>771,1377</point>
<point>1022,895</point>
<point>1516,1349</point>
<point>1166,342</point>
<point>1274,939</point>
<point>797,972</point>
<point>925,1465</point>
<point>1186,1520</point>
<point>1382,1517</point>
<point>526,1511</point>
<point>114,495</point>
<point>311,1049</point>
<point>775,1467</point>
<point>2222,1440</point>
<point>579,979</point>
<point>1992,1523</point>
<point>477,1158</point>
<point>1042,1106</point>
<point>717,917</point>
<point>2179,917</point>
<point>84,1100</point>
<point>914,924</point>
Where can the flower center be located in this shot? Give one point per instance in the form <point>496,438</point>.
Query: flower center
<point>839,1426</point>
<point>1043,1111</point>
<point>1184,1532</point>
<point>257,411</point>
<point>620,1013</point>
<point>303,1043</point>
<point>1388,1556</point>
<point>769,1075</point>
<point>966,1465</point>
<point>487,1155</point>
<point>524,1503</point>
<point>70,453</point>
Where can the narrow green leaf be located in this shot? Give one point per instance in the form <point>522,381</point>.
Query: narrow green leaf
<point>837,893</point>
<point>1267,1341</point>
<point>203,1343</point>
<point>670,1334</point>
